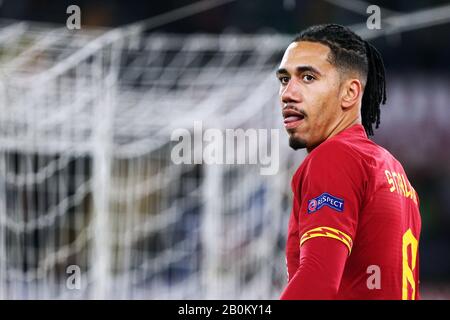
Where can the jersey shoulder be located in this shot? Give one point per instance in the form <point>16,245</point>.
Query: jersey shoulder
<point>359,150</point>
<point>340,152</point>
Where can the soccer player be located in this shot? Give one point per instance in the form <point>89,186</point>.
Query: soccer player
<point>355,223</point>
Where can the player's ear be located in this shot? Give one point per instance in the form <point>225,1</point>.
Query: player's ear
<point>351,92</point>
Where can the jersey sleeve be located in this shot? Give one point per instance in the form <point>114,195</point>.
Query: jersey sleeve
<point>292,249</point>
<point>319,273</point>
<point>332,195</point>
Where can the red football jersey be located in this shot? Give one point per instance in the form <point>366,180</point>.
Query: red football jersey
<point>350,190</point>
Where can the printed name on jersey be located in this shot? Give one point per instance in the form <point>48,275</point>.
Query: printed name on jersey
<point>399,184</point>
<point>325,199</point>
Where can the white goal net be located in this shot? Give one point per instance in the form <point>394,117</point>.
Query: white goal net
<point>91,203</point>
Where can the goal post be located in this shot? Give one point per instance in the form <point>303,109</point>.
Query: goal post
<point>93,205</point>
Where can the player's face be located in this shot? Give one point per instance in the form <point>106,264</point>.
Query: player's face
<point>309,94</point>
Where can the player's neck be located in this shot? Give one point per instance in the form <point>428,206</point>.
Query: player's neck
<point>343,124</point>
<point>339,127</point>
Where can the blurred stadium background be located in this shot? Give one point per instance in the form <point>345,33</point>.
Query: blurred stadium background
<point>86,115</point>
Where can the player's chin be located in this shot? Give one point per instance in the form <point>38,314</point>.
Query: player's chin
<point>296,142</point>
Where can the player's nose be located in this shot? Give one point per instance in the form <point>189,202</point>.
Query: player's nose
<point>290,93</point>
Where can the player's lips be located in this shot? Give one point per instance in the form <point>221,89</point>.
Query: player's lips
<point>292,118</point>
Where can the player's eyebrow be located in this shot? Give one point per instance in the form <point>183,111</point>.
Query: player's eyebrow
<point>299,69</point>
<point>281,72</point>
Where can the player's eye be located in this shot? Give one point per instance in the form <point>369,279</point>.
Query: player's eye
<point>284,80</point>
<point>308,78</point>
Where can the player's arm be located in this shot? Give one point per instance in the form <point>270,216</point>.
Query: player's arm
<point>331,197</point>
<point>319,274</point>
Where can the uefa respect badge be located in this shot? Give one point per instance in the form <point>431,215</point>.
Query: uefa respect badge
<point>325,199</point>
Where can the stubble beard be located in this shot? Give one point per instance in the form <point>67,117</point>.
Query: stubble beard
<point>296,143</point>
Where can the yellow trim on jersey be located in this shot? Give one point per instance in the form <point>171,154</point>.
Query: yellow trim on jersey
<point>329,233</point>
